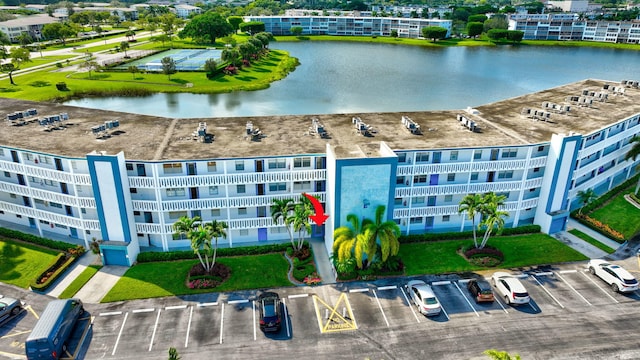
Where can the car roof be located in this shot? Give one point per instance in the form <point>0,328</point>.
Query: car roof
<point>424,289</point>
<point>482,284</point>
<point>622,272</point>
<point>514,284</point>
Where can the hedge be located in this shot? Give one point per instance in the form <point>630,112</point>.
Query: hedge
<point>52,244</point>
<point>57,267</point>
<point>460,235</point>
<point>152,256</point>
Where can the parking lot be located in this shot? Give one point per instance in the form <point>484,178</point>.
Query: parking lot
<point>148,328</point>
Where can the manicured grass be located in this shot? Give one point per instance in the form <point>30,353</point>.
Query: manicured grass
<point>79,282</point>
<point>620,215</point>
<point>523,250</point>
<point>158,279</point>
<point>20,263</point>
<point>592,241</point>
<point>388,40</point>
<point>40,85</point>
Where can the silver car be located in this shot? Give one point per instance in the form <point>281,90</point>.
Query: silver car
<point>617,277</point>
<point>423,297</point>
<point>9,308</point>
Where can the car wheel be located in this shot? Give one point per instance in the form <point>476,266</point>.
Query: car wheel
<point>507,300</point>
<point>592,270</point>
<point>615,287</point>
<point>493,282</point>
<point>16,310</point>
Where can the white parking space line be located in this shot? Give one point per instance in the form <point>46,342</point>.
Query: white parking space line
<point>390,287</point>
<point>380,306</point>
<point>410,306</point>
<point>111,313</point>
<point>443,310</point>
<point>286,318</point>
<point>467,300</point>
<point>186,340</point>
<point>221,322</point>
<point>568,271</point>
<point>603,290</point>
<point>445,282</point>
<point>297,296</point>
<point>119,334</point>
<point>176,307</point>
<point>533,307</point>
<point>254,320</point>
<point>358,290</point>
<point>155,327</point>
<point>208,304</point>
<point>572,288</point>
<point>544,273</point>
<point>244,301</point>
<point>547,291</point>
<point>499,301</point>
<point>136,311</point>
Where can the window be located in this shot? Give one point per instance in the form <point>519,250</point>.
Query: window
<point>451,177</point>
<point>477,154</point>
<point>46,160</point>
<point>28,156</point>
<point>402,157</point>
<point>509,153</point>
<point>136,213</point>
<point>445,218</point>
<point>536,169</point>
<point>474,176</point>
<point>175,192</point>
<point>7,174</point>
<point>415,220</point>
<point>55,205</point>
<point>448,198</point>
<point>420,179</point>
<point>422,157</point>
<point>240,189</point>
<point>453,155</point>
<point>302,162</point>
<point>418,200</point>
<point>399,180</point>
<point>133,190</point>
<point>83,210</point>
<point>278,230</point>
<point>129,167</point>
<point>505,174</point>
<point>397,201</point>
<point>212,166</point>
<point>278,187</point>
<point>175,215</point>
<point>540,148</point>
<point>277,163</point>
<point>173,168</point>
<point>213,190</point>
<point>242,211</point>
<point>239,165</point>
<point>215,212</point>
<point>50,182</point>
<point>244,232</point>
<point>302,185</point>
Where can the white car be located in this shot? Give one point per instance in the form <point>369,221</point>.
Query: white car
<point>423,297</point>
<point>510,288</point>
<point>617,277</point>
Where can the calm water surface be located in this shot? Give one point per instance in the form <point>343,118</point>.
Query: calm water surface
<point>337,77</point>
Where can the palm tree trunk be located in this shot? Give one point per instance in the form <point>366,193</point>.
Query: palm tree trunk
<point>215,252</point>
<point>201,261</point>
<point>485,238</point>
<point>475,236</point>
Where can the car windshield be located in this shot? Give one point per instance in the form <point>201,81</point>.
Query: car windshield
<point>430,301</point>
<point>486,292</point>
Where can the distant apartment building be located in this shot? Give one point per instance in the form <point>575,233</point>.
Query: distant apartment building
<point>185,11</point>
<point>31,25</point>
<point>349,25</point>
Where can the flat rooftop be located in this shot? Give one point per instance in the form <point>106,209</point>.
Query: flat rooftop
<point>143,137</point>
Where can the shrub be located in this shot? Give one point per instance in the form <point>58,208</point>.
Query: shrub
<point>300,272</point>
<point>312,279</point>
<point>33,239</point>
<point>600,227</point>
<point>62,86</point>
<point>460,235</point>
<point>57,267</point>
<point>222,252</point>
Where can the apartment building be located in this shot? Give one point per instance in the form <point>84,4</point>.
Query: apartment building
<point>31,25</point>
<point>126,179</point>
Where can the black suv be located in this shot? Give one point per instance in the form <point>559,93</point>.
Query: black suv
<point>270,312</point>
<point>481,290</point>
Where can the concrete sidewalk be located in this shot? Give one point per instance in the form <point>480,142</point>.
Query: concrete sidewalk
<point>323,264</point>
<point>61,284</point>
<point>100,284</point>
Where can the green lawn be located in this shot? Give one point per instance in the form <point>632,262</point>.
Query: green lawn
<point>523,250</point>
<point>159,279</point>
<point>592,241</point>
<point>20,263</point>
<point>79,281</point>
<point>620,215</point>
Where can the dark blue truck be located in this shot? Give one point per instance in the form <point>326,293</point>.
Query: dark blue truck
<point>48,339</point>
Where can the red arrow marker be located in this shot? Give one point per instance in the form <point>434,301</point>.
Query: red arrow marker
<point>319,217</point>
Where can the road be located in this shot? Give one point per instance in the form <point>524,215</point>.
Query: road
<point>573,315</point>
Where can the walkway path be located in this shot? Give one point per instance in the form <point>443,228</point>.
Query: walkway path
<point>323,264</point>
<point>85,260</point>
<point>101,283</point>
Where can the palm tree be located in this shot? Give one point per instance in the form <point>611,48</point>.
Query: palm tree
<point>633,154</point>
<point>384,233</point>
<point>230,55</point>
<point>217,229</point>
<point>348,241</point>
<point>199,236</point>
<point>124,46</point>
<point>471,204</point>
<point>281,211</point>
<point>493,217</point>
<point>300,220</point>
<point>586,197</point>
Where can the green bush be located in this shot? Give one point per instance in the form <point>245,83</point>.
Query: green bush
<point>459,235</point>
<point>58,266</point>
<point>597,203</point>
<point>303,270</point>
<point>52,244</point>
<point>145,257</point>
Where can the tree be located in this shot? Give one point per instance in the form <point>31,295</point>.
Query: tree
<point>206,28</point>
<point>133,70</point>
<point>60,31</point>
<point>497,34</point>
<point>235,22</point>
<point>471,204</point>
<point>474,28</point>
<point>434,32</point>
<point>493,218</point>
<point>349,242</point>
<point>586,197</point>
<point>281,210</point>
<point>296,30</point>
<point>90,65</point>
<point>515,35</point>
<point>230,55</point>
<point>477,18</point>
<point>300,221</point>
<point>394,33</point>
<point>18,57</point>
<point>265,38</point>
<point>168,66</point>
<point>217,229</point>
<point>24,39</point>
<point>252,27</point>
<point>382,233</point>
<point>633,154</point>
<point>500,355</point>
<point>210,67</point>
<point>124,46</point>
<point>496,22</point>
<point>246,50</point>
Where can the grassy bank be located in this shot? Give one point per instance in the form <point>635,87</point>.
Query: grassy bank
<point>620,215</point>
<point>592,241</point>
<point>21,262</point>
<point>79,281</point>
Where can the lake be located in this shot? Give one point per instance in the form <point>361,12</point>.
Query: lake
<point>345,77</point>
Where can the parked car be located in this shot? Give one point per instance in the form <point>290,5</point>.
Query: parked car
<point>510,288</point>
<point>269,306</point>
<point>617,277</point>
<point>49,337</point>
<point>9,308</point>
<point>480,290</point>
<point>423,297</point>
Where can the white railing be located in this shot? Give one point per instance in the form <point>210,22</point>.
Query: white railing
<point>48,216</point>
<point>44,173</point>
<point>222,203</point>
<point>144,205</point>
<point>510,206</point>
<point>235,178</point>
